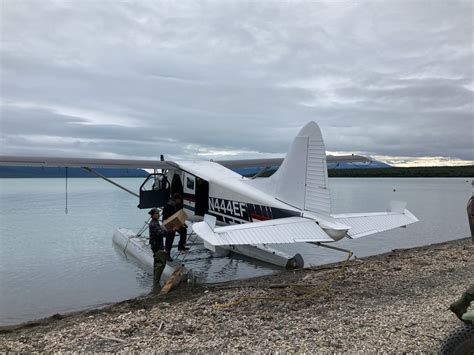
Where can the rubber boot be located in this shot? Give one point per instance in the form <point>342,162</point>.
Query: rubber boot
<point>460,306</point>
<point>159,263</point>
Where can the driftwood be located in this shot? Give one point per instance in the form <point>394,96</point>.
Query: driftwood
<point>110,338</point>
<point>171,280</point>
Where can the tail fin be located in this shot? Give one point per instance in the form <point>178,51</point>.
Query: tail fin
<point>302,179</point>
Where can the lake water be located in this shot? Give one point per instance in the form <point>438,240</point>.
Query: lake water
<point>53,262</point>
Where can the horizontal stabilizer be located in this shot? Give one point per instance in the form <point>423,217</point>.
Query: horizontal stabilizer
<point>274,162</point>
<point>276,231</point>
<point>363,224</point>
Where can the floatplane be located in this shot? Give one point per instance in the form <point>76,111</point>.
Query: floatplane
<point>246,215</point>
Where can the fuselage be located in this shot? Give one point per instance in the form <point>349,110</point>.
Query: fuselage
<point>210,188</point>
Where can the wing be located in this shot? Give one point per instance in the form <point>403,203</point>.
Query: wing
<point>250,163</point>
<point>276,231</point>
<point>6,160</point>
<point>258,163</point>
<point>83,162</point>
<point>364,224</point>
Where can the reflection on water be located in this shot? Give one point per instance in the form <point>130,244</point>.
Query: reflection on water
<point>51,262</point>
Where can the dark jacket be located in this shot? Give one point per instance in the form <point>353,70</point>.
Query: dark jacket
<point>156,236</point>
<point>171,208</point>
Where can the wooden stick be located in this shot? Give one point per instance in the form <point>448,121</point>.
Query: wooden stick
<point>110,338</point>
<point>169,283</point>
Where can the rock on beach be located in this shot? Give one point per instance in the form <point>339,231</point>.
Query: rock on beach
<point>395,302</point>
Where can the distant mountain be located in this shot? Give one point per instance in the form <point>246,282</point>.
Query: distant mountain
<point>375,164</point>
<point>41,172</point>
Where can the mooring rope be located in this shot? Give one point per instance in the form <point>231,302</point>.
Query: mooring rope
<point>309,294</point>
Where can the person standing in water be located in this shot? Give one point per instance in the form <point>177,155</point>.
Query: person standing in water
<point>157,234</point>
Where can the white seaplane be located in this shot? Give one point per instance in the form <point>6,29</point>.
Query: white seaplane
<point>249,215</point>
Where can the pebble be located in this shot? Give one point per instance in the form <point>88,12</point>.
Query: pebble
<point>396,302</point>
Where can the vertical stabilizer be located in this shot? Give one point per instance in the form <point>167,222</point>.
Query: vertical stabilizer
<point>302,179</point>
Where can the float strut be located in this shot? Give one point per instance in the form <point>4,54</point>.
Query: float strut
<point>331,247</point>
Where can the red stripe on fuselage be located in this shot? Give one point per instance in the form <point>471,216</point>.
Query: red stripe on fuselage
<point>260,217</point>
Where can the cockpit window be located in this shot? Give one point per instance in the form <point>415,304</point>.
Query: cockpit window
<point>190,183</point>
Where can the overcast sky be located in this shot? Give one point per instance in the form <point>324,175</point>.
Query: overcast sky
<point>235,79</point>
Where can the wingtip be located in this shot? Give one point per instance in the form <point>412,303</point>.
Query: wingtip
<point>397,206</point>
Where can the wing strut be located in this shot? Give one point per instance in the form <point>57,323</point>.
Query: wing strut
<point>108,180</point>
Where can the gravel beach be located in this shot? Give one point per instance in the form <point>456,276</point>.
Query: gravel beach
<point>395,302</point>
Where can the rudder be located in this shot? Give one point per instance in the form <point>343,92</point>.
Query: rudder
<point>302,179</point>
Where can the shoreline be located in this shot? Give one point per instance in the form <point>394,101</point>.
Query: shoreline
<point>395,301</point>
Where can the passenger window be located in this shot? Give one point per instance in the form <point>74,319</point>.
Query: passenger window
<point>190,183</point>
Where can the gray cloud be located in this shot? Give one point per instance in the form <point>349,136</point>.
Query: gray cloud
<point>111,78</point>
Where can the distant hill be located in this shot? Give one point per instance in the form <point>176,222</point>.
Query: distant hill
<point>47,172</point>
<point>375,170</point>
<point>353,171</point>
<point>432,171</point>
<point>375,164</point>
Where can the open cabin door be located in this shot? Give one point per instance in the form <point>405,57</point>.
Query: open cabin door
<point>155,191</point>
<point>202,197</point>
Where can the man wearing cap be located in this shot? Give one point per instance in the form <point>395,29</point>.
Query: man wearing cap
<point>173,206</point>
<point>156,234</point>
